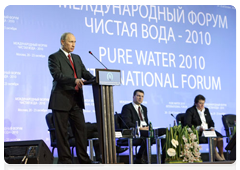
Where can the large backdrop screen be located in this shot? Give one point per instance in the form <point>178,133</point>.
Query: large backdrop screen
<point>173,53</point>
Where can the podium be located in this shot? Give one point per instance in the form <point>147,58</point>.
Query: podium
<point>104,110</point>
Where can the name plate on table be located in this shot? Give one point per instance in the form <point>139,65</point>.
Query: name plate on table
<point>110,77</point>
<point>118,134</point>
<point>209,134</point>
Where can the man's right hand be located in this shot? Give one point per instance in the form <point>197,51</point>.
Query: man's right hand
<point>79,83</point>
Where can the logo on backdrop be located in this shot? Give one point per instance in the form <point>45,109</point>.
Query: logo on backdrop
<point>109,76</point>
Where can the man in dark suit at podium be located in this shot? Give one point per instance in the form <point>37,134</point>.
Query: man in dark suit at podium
<point>133,112</point>
<point>66,100</point>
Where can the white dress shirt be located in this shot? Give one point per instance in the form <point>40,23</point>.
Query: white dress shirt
<point>142,123</point>
<point>203,119</point>
<point>67,54</point>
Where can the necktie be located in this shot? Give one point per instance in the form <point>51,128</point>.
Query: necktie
<point>75,75</point>
<point>140,114</point>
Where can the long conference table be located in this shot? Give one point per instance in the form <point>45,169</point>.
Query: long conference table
<point>158,148</point>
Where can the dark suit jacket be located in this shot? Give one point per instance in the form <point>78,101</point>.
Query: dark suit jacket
<point>130,115</point>
<point>192,117</point>
<point>62,94</point>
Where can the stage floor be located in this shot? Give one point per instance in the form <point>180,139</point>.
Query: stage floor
<point>225,165</point>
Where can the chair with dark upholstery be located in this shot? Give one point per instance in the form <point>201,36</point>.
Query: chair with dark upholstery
<point>51,129</point>
<point>71,139</point>
<point>229,121</point>
<point>124,142</point>
<point>180,117</point>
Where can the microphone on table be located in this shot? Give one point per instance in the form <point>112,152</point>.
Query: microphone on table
<point>173,116</point>
<point>122,120</point>
<point>129,132</point>
<point>97,59</point>
<point>174,123</point>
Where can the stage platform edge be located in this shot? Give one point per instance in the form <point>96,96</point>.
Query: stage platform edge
<point>223,165</point>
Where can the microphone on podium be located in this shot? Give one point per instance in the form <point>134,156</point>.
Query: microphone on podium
<point>97,59</point>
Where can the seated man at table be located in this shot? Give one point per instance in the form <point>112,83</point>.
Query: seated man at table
<point>133,112</point>
<point>200,117</point>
